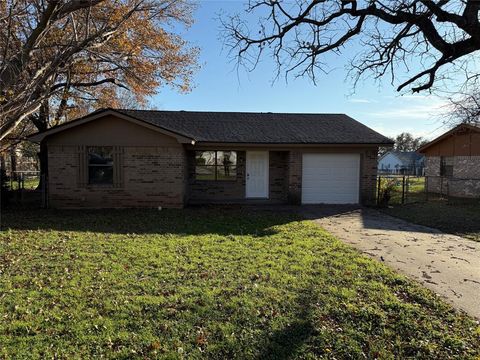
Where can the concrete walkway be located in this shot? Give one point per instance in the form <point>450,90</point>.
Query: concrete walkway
<point>447,264</point>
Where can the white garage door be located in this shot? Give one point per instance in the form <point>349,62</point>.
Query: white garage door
<point>330,178</point>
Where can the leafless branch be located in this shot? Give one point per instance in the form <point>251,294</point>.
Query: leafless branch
<point>396,35</point>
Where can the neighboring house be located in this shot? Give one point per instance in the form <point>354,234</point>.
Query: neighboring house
<point>452,163</point>
<point>139,158</point>
<point>401,163</point>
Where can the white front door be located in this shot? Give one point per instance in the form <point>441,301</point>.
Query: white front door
<point>257,174</point>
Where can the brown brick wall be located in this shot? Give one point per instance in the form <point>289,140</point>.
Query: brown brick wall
<point>207,191</point>
<point>368,176</point>
<point>278,171</point>
<point>152,177</point>
<point>165,176</point>
<point>295,177</point>
<point>368,172</point>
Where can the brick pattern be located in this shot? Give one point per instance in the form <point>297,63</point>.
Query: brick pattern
<point>466,167</point>
<point>152,177</point>
<point>368,176</point>
<point>278,176</point>
<point>205,191</point>
<point>208,191</point>
<point>432,166</point>
<point>155,176</point>
<point>285,179</point>
<point>295,177</point>
<point>465,181</point>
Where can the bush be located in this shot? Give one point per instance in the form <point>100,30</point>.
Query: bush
<point>386,192</point>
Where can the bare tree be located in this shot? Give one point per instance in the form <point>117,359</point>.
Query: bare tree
<point>464,108</point>
<point>414,42</point>
<point>53,51</point>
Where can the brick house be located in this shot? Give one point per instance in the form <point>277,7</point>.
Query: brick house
<point>452,162</point>
<point>138,158</point>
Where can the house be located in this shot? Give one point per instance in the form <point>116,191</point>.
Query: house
<point>401,162</point>
<point>452,164</point>
<point>140,158</point>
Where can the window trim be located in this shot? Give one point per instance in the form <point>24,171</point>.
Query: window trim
<point>94,184</point>
<point>216,166</point>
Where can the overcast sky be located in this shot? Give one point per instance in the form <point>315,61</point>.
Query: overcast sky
<point>220,86</point>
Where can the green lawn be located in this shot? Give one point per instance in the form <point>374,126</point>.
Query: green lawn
<point>414,188</point>
<point>211,284</point>
<point>457,218</point>
<point>30,183</point>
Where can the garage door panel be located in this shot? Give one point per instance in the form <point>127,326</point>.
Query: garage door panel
<point>330,178</point>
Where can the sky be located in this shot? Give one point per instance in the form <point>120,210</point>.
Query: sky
<point>220,86</point>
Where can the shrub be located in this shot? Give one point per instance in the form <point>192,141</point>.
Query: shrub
<point>386,192</point>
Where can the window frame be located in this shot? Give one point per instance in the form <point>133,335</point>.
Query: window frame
<point>216,166</point>
<point>89,166</point>
<point>446,169</point>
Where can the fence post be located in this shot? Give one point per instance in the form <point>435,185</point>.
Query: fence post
<point>403,190</point>
<point>426,188</point>
<point>379,182</point>
<point>449,180</point>
<point>21,186</point>
<point>407,188</point>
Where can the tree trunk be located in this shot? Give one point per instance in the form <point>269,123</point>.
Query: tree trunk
<point>43,161</point>
<point>40,121</point>
<point>13,163</point>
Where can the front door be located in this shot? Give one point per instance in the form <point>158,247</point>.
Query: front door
<point>257,174</point>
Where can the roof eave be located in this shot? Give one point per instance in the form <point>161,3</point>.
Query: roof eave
<point>447,134</point>
<point>38,137</point>
<point>297,144</point>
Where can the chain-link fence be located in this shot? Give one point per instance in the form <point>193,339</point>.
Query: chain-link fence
<point>25,180</point>
<point>399,190</point>
<point>452,189</point>
<point>23,188</point>
<point>392,189</point>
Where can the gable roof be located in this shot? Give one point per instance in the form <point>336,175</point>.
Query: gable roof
<point>449,133</point>
<point>405,157</point>
<point>246,127</point>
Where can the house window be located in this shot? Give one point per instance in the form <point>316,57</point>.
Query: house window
<point>215,165</point>
<point>100,164</point>
<point>446,166</point>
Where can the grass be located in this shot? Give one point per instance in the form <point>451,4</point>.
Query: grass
<point>414,188</point>
<point>210,284</point>
<point>457,218</point>
<point>30,183</point>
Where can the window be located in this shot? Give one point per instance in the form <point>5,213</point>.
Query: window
<point>100,165</point>
<point>446,166</point>
<point>215,165</point>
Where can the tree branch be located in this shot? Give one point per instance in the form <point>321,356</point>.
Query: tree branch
<point>88,84</point>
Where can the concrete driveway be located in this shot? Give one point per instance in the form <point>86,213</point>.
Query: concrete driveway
<point>447,264</point>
